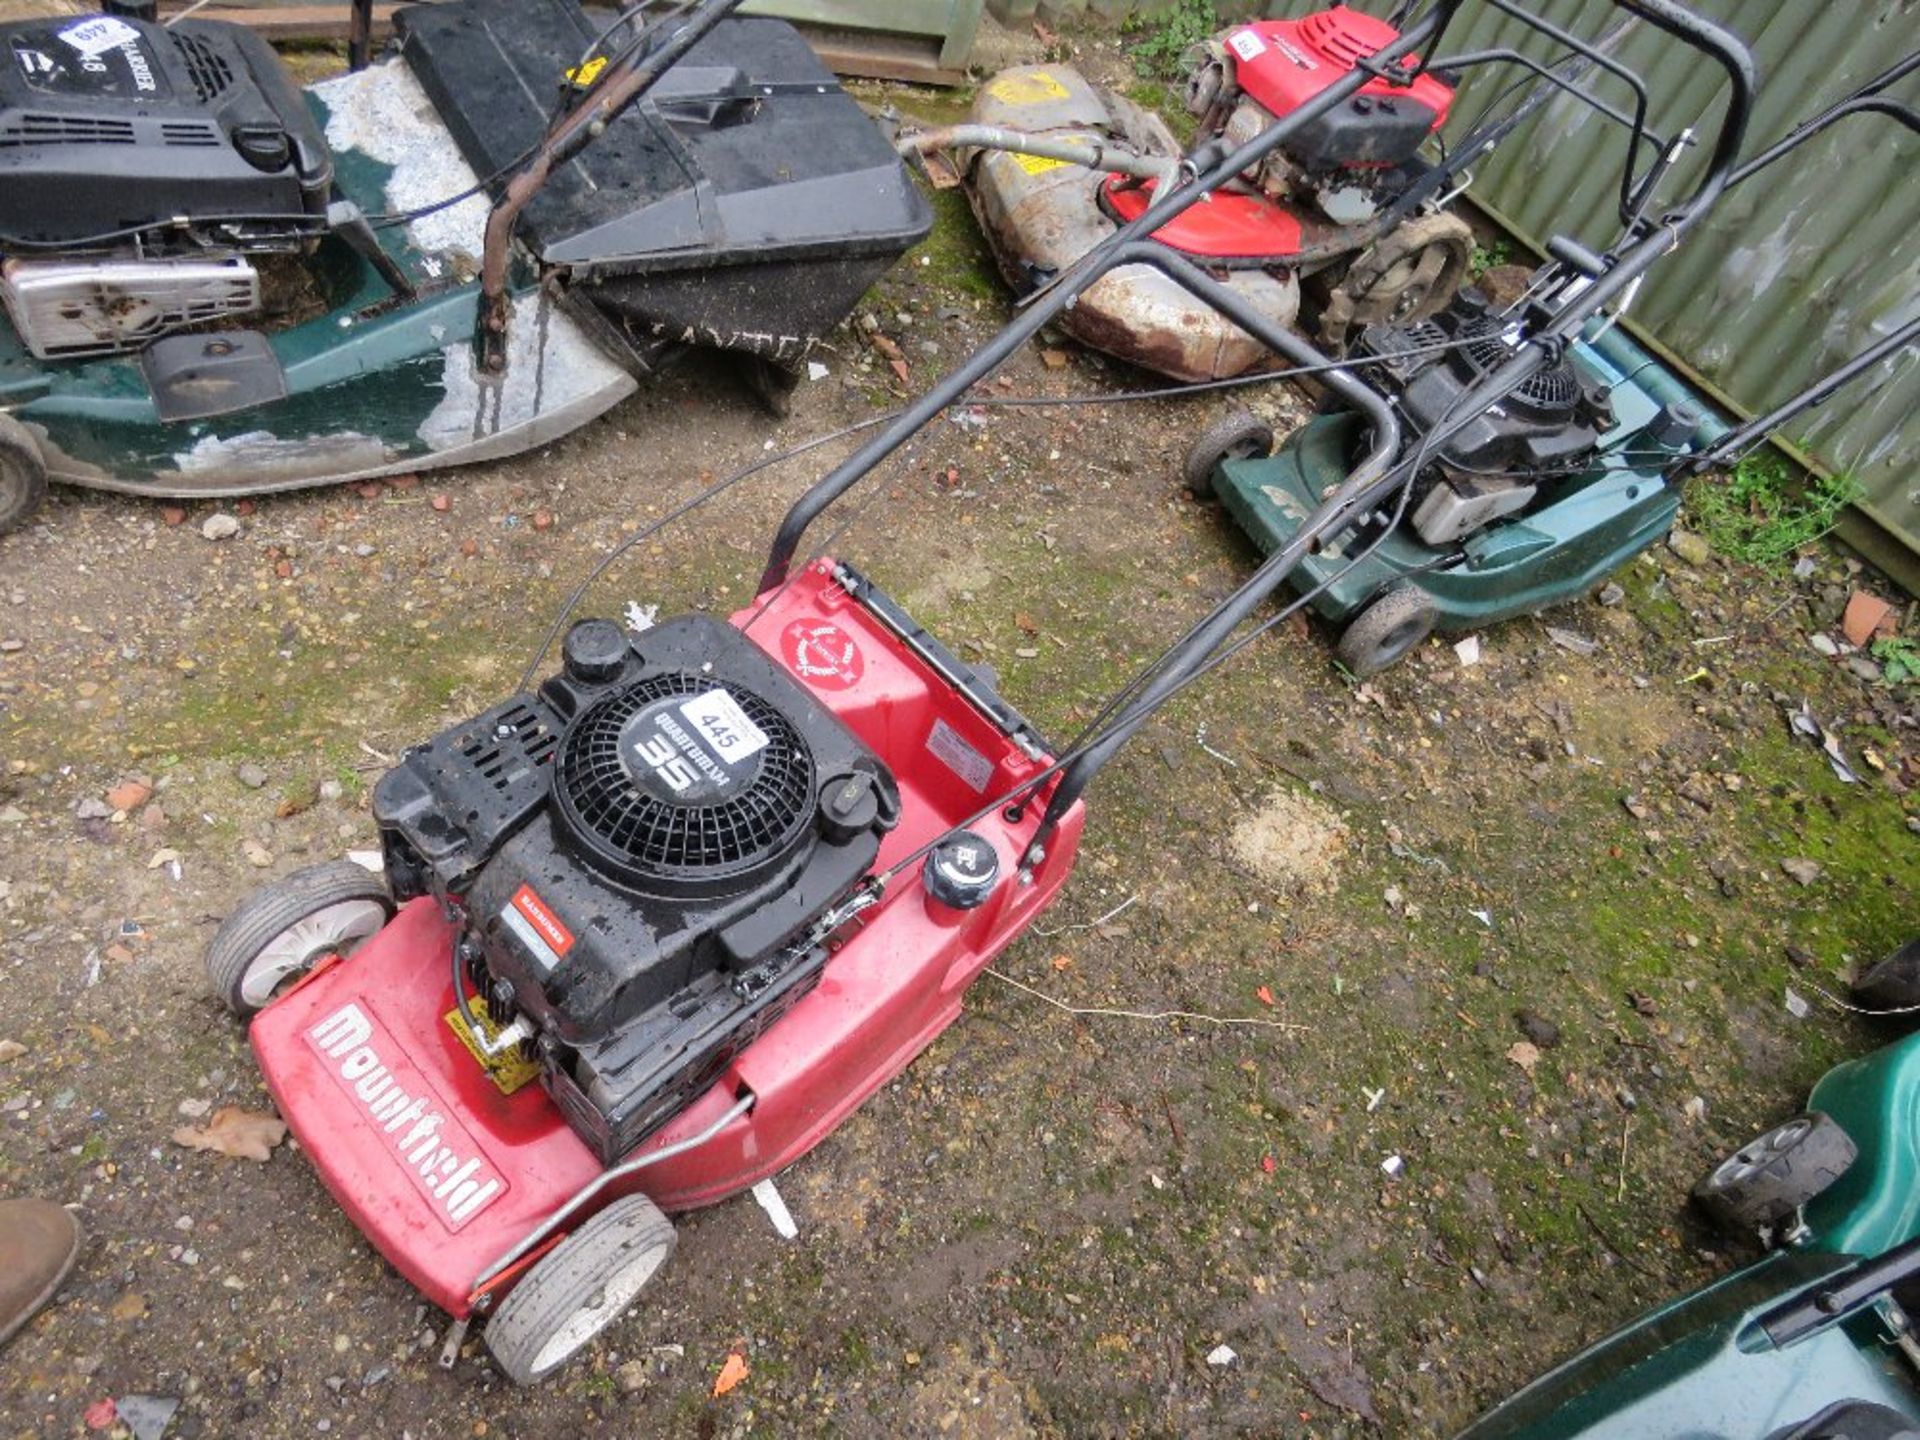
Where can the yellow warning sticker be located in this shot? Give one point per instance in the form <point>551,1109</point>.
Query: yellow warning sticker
<point>509,1072</point>
<point>1028,87</point>
<point>1036,164</point>
<point>585,75</point>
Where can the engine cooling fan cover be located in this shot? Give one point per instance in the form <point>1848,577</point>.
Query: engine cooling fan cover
<point>677,777</point>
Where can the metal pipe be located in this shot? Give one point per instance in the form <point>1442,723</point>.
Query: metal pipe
<point>605,1178</point>
<point>607,99</point>
<point>1862,104</point>
<point>1089,153</point>
<point>1127,243</point>
<point>359,34</point>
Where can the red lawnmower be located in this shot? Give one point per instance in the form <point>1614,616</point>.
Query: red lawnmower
<point>651,929</point>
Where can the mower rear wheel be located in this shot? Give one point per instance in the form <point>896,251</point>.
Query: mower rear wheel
<point>1764,1182</point>
<point>281,931</point>
<point>579,1289</point>
<point>1891,985</point>
<point>1386,630</point>
<point>23,474</point>
<point>1236,435</point>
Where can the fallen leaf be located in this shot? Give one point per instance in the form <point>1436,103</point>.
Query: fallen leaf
<point>1642,1003</point>
<point>162,857</point>
<point>899,368</point>
<point>1525,1054</point>
<point>1024,621</point>
<point>243,1134</point>
<point>1063,962</point>
<point>1054,359</point>
<point>1264,995</point>
<point>731,1374</point>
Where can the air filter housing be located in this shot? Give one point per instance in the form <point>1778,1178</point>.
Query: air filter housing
<point>641,850</point>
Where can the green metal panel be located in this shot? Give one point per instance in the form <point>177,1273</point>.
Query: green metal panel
<point>950,25</point>
<point>1808,263</point>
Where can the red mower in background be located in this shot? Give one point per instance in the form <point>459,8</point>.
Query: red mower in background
<point>650,929</point>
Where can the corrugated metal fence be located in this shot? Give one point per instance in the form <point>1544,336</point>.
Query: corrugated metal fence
<point>1806,264</point>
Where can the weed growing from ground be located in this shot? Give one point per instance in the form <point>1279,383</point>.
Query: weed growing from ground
<point>1762,511</point>
<point>1160,51</point>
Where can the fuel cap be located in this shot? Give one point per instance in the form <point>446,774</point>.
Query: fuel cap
<point>961,870</point>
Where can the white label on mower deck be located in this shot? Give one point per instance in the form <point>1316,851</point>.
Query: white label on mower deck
<point>1246,44</point>
<point>721,722</point>
<point>960,757</point>
<point>434,1149</point>
<point>99,35</point>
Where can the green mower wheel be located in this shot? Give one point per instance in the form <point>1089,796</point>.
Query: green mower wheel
<point>23,474</point>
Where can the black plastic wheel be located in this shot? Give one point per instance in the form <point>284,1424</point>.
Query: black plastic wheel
<point>1765,1181</point>
<point>581,1288</point>
<point>1236,435</point>
<point>1386,630</point>
<point>23,474</point>
<point>1892,984</point>
<point>280,931</point>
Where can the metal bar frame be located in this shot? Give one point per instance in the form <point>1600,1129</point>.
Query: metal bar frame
<point>1206,170</point>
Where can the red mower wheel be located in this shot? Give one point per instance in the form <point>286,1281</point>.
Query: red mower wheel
<point>282,930</point>
<point>579,1289</point>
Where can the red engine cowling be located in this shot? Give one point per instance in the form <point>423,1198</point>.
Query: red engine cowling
<point>1280,65</point>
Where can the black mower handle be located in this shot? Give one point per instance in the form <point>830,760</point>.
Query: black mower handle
<point>1132,243</point>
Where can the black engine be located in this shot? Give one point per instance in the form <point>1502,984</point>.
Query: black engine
<point>113,128</point>
<point>642,853</point>
<point>1546,429</point>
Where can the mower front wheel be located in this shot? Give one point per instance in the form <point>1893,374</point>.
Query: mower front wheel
<point>23,474</point>
<point>282,930</point>
<point>585,1284</point>
<point>1386,630</point>
<point>1234,436</point>
<point>1765,1181</point>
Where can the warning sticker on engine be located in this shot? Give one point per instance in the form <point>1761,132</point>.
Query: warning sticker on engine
<point>957,755</point>
<point>1037,164</point>
<point>1246,44</point>
<point>1035,87</point>
<point>509,1072</point>
<point>537,927</point>
<point>721,722</point>
<point>99,35</point>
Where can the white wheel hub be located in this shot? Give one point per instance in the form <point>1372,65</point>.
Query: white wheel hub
<point>338,929</point>
<point>604,1307</point>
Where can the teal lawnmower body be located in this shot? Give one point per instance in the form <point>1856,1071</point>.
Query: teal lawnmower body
<point>1816,1338</point>
<point>1597,520</point>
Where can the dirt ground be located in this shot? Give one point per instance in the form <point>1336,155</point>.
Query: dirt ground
<point>1050,1224</point>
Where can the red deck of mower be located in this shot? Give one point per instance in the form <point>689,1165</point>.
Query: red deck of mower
<point>661,1048</point>
<point>649,930</point>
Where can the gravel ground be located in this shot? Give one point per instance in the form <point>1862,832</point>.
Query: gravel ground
<point>1537,939</point>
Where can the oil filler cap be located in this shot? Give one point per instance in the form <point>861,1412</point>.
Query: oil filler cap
<point>961,870</point>
<point>594,652</point>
